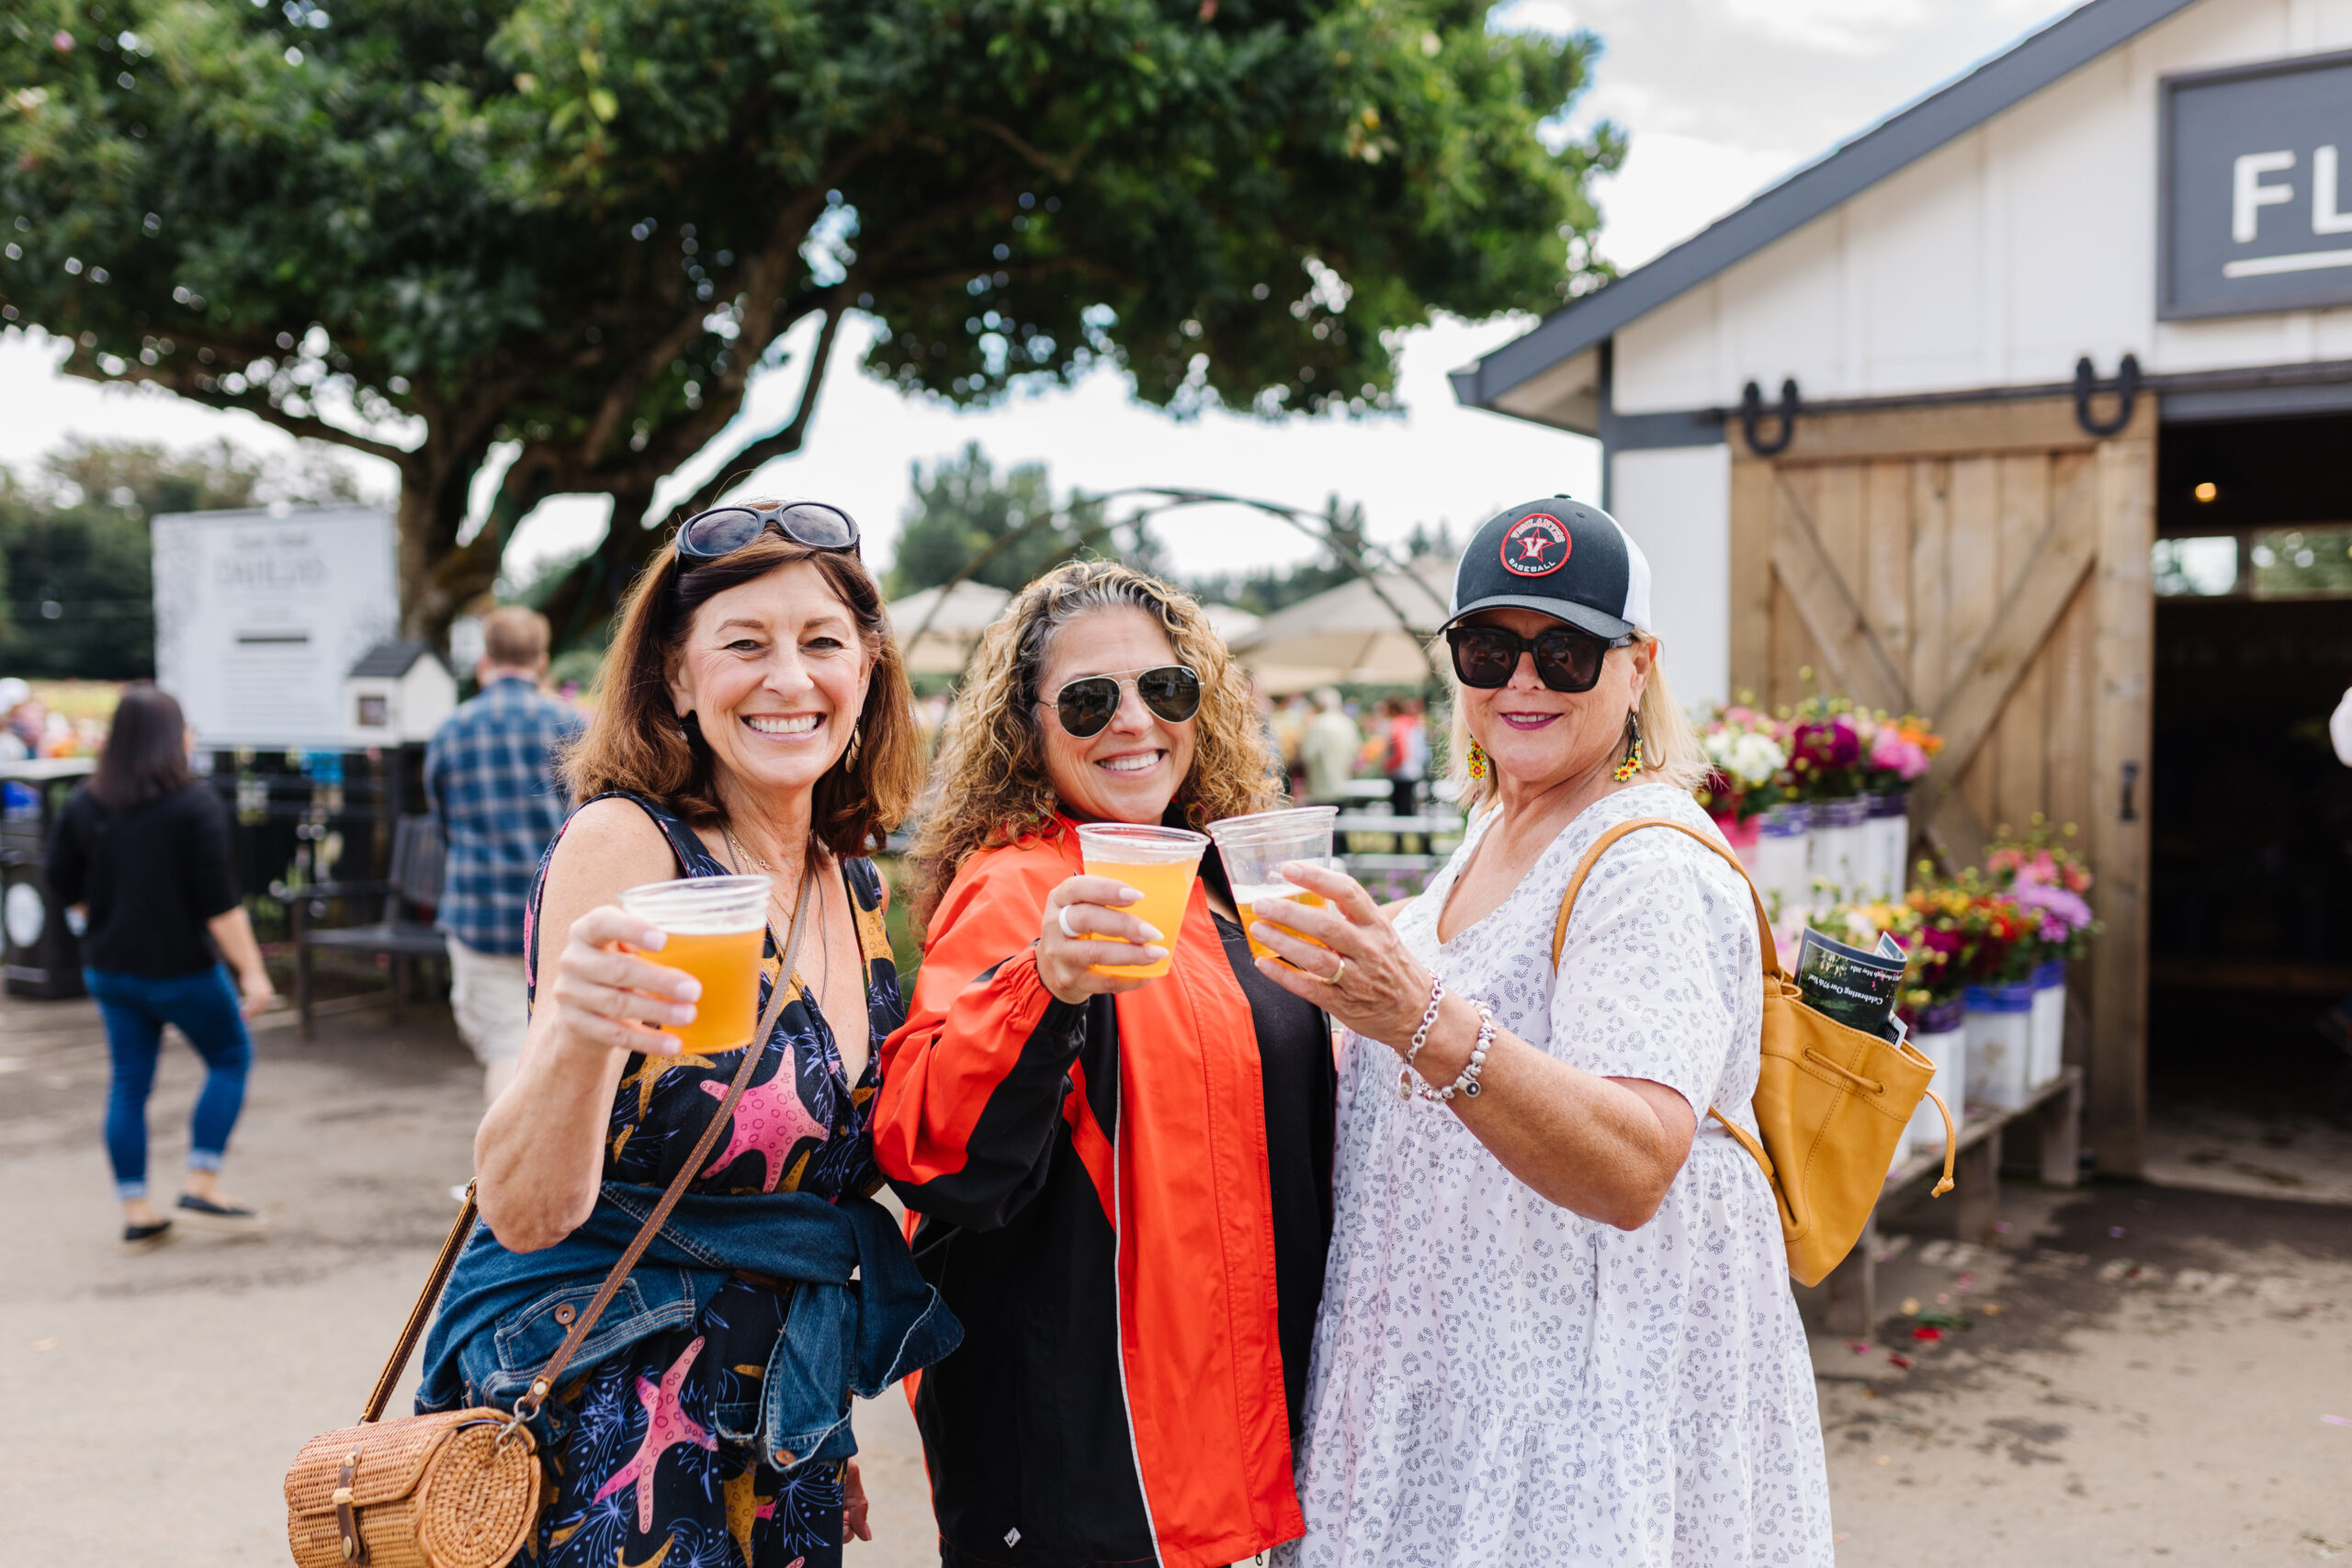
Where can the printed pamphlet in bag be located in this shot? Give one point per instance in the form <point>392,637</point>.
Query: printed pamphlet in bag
<point>1857,988</point>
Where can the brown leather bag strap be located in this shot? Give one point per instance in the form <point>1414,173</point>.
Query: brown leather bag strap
<point>438,1279</point>
<point>422,1313</point>
<point>778,995</point>
<point>1767,946</point>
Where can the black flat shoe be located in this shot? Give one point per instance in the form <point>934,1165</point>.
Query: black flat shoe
<point>225,1219</point>
<point>146,1238</point>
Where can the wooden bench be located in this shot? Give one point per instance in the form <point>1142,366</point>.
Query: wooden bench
<point>403,932</point>
<point>2054,1111</point>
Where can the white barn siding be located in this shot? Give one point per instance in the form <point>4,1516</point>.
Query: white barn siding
<point>1997,260</point>
<point>1676,502</point>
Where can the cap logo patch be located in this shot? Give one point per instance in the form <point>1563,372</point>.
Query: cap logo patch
<point>1536,546</point>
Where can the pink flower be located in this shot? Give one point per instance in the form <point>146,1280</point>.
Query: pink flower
<point>1891,752</point>
<point>2062,913</point>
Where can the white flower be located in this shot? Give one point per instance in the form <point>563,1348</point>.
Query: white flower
<point>1753,759</point>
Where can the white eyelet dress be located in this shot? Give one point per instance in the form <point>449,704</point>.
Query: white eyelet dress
<point>1498,1383</point>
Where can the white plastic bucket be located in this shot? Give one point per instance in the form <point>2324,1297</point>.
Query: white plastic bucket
<point>1842,855</point>
<point>1780,864</point>
<point>2048,1056</point>
<point>1941,1039</point>
<point>2001,1044</point>
<point>1890,830</point>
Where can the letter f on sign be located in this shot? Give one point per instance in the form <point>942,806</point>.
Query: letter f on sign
<point>2249,196</point>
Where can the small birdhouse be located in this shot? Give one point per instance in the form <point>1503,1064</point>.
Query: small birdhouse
<point>399,692</point>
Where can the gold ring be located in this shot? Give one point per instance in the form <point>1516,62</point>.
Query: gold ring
<point>1334,978</point>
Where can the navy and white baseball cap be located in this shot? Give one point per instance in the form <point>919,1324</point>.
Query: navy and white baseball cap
<point>1562,557</point>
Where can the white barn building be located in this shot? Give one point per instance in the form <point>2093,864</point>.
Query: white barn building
<point>2031,409</point>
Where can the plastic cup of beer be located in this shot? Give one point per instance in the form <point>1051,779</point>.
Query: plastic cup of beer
<point>1159,863</point>
<point>1254,847</point>
<point>715,925</point>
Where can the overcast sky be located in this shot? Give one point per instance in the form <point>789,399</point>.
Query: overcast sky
<point>1721,99</point>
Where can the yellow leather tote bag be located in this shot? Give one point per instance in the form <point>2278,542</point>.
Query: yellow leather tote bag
<point>1831,1101</point>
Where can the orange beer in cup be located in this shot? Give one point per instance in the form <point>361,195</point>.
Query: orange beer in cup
<point>1159,863</point>
<point>1254,849</point>
<point>715,927</point>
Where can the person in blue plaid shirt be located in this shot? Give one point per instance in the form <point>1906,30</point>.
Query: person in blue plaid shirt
<point>493,776</point>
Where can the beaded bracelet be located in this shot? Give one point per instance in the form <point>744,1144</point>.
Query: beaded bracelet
<point>1405,1077</point>
<point>1467,1084</point>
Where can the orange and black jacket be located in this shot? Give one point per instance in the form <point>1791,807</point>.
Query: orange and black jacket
<point>1099,1205</point>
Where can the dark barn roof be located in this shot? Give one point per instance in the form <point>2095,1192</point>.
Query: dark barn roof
<point>2066,45</point>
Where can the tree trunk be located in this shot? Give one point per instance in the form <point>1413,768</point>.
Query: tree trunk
<point>581,608</point>
<point>434,486</point>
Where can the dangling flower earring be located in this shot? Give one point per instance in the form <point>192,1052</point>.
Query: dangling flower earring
<point>1633,763</point>
<point>1476,763</point>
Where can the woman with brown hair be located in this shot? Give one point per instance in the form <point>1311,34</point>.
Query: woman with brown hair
<point>1123,1182</point>
<point>142,851</point>
<point>754,719</point>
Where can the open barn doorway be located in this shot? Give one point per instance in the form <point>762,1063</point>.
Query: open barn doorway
<point>2250,918</point>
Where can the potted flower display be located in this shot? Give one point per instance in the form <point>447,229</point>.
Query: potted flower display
<point>2047,880</point>
<point>1998,997</point>
<point>1749,764</point>
<point>1827,741</point>
<point>1894,757</point>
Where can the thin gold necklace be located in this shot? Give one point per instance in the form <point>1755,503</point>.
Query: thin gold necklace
<point>825,942</point>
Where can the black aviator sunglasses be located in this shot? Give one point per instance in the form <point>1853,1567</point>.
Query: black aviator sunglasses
<point>1567,658</point>
<point>1087,706</point>
<point>723,530</point>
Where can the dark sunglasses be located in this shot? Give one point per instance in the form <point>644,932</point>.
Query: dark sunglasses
<point>1087,705</point>
<point>723,530</point>
<point>1567,658</point>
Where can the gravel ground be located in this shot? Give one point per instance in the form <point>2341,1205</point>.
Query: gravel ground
<point>2136,1374</point>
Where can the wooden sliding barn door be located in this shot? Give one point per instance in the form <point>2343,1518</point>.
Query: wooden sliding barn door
<point>1987,564</point>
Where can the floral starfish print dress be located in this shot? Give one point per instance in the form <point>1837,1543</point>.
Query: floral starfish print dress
<point>646,1473</point>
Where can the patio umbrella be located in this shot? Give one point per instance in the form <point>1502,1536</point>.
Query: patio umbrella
<point>1352,633</point>
<point>953,628</point>
<point>1230,622</point>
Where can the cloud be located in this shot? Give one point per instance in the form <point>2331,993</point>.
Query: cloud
<point>1672,187</point>
<point>1533,16</point>
<point>1854,28</point>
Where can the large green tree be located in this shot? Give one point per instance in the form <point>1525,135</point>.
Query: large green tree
<point>572,231</point>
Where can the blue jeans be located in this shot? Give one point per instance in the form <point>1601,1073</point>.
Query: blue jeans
<point>136,1007</point>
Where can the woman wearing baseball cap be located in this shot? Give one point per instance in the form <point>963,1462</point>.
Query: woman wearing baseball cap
<point>1557,1323</point>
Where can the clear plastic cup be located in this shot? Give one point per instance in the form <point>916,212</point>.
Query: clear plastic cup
<point>1159,863</point>
<point>715,925</point>
<point>1254,847</point>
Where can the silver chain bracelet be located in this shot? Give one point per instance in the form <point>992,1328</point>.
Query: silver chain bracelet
<point>1467,1084</point>
<point>1405,1077</point>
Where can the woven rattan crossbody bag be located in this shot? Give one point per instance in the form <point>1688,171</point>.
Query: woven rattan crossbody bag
<point>462,1488</point>
<point>1831,1101</point>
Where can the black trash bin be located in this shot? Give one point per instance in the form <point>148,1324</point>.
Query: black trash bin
<point>43,951</point>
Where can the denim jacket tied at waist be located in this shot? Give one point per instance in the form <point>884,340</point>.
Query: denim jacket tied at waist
<point>861,1317</point>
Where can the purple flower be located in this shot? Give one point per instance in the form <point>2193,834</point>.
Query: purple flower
<point>2063,913</point>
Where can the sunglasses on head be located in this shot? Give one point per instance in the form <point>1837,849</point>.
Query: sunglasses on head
<point>723,530</point>
<point>1087,706</point>
<point>1567,658</point>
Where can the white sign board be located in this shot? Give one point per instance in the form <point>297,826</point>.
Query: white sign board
<point>258,617</point>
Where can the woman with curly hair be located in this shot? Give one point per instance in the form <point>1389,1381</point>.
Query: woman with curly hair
<point>1123,1184</point>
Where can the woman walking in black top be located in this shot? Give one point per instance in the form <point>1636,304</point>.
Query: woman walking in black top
<point>143,848</point>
